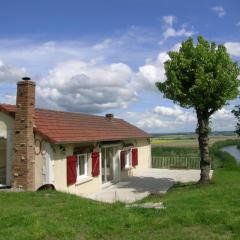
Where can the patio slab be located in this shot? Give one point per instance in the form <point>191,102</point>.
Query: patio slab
<point>150,181</point>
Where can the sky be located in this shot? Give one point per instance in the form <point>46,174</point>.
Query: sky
<point>105,56</point>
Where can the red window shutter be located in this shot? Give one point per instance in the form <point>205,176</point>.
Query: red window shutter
<point>95,164</point>
<point>134,157</point>
<point>71,169</point>
<point>122,159</point>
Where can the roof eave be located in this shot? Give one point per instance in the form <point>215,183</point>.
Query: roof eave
<point>99,140</point>
<point>44,136</point>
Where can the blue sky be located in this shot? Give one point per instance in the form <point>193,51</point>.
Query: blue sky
<point>105,56</point>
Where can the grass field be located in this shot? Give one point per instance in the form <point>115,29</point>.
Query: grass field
<point>182,150</point>
<point>174,150</point>
<point>192,212</point>
<point>185,141</point>
<point>175,157</point>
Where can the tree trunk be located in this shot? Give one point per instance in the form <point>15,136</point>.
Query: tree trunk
<point>202,130</point>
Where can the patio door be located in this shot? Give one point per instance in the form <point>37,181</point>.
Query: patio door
<point>3,163</point>
<point>107,164</point>
<point>110,166</point>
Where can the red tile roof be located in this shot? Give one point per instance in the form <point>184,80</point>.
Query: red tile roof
<point>63,127</point>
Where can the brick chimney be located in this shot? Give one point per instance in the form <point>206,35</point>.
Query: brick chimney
<point>23,169</point>
<point>109,116</point>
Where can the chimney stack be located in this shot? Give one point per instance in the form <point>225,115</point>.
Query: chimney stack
<point>109,116</point>
<point>23,169</point>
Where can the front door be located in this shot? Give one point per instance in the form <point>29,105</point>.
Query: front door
<point>2,162</point>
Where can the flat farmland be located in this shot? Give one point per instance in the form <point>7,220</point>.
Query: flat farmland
<point>186,140</point>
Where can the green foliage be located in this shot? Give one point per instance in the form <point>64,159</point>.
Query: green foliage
<point>236,112</point>
<point>222,159</point>
<point>225,143</point>
<point>219,158</point>
<point>201,76</point>
<point>175,157</point>
<point>174,151</point>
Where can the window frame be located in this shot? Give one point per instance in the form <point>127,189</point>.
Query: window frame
<point>85,175</point>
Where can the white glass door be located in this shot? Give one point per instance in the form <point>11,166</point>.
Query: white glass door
<point>107,164</point>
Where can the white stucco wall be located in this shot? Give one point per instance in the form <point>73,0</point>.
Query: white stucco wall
<point>6,131</point>
<point>144,155</point>
<point>94,184</point>
<point>44,162</point>
<point>91,185</point>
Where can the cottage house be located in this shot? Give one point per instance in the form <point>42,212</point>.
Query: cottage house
<point>77,153</point>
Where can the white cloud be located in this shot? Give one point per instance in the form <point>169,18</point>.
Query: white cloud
<point>223,114</point>
<point>165,119</point>
<point>39,57</point>
<point>233,48</point>
<point>132,47</point>
<point>152,122</point>
<point>9,74</point>
<point>152,72</point>
<point>168,20</point>
<point>103,45</point>
<point>176,119</point>
<point>68,82</point>
<point>238,24</point>
<point>223,119</point>
<point>95,86</point>
<point>88,87</point>
<point>8,98</point>
<point>177,113</point>
<point>70,73</point>
<point>219,10</point>
<point>170,31</point>
<point>168,111</point>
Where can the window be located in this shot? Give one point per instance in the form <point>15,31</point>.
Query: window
<point>128,159</point>
<point>82,166</point>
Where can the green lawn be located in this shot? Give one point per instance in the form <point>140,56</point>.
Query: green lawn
<point>192,212</point>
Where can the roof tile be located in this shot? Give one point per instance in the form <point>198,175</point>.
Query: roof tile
<point>61,127</point>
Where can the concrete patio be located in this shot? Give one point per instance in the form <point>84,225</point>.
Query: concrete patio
<point>151,181</point>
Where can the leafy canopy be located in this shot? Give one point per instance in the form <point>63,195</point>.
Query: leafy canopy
<point>201,76</point>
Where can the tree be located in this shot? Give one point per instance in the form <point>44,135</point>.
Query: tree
<point>202,77</point>
<point>236,112</point>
